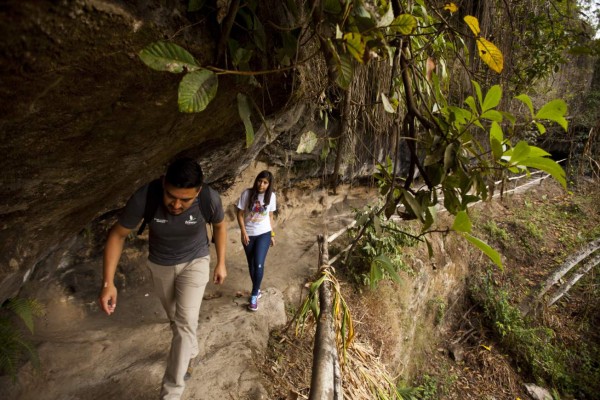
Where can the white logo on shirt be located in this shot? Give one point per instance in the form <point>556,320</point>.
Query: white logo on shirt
<point>160,221</point>
<point>191,221</point>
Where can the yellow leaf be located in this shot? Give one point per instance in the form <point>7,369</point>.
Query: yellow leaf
<point>473,23</point>
<point>488,348</point>
<point>490,54</point>
<point>451,7</point>
<point>355,45</point>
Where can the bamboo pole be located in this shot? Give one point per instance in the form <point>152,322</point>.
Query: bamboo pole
<point>577,275</point>
<point>558,273</point>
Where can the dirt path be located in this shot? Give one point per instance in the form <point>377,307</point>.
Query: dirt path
<point>86,355</point>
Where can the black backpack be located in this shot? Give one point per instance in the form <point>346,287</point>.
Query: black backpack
<point>154,199</point>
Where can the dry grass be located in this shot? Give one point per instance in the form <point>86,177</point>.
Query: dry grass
<point>287,369</point>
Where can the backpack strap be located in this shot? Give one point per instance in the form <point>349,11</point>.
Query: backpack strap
<point>206,208</point>
<point>205,204</point>
<point>153,199</point>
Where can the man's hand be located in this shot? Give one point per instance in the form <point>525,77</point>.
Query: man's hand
<point>108,299</point>
<point>220,274</point>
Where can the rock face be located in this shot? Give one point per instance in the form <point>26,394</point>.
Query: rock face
<point>84,122</point>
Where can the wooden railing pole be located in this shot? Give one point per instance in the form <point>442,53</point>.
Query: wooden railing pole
<point>325,383</point>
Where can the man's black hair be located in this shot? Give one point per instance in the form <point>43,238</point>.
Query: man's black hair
<point>184,173</point>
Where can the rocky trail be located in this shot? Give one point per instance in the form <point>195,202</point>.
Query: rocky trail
<point>86,355</point>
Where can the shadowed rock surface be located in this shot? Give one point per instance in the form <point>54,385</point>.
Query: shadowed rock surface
<point>84,121</point>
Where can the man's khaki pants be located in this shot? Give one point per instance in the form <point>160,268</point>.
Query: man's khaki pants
<point>180,289</point>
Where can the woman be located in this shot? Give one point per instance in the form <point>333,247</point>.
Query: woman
<point>255,217</point>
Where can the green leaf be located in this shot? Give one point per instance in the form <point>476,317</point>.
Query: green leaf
<point>244,111</point>
<point>355,45</point>
<point>195,5</point>
<point>511,118</point>
<point>527,101</point>
<point>478,92</point>
<point>363,20</point>
<point>492,115</point>
<point>496,139</point>
<point>308,141</point>
<point>429,248</point>
<point>240,56</point>
<point>485,248</point>
<point>362,220</point>
<point>470,101</point>
<point>387,106</point>
<point>554,110</point>
<point>314,306</point>
<point>345,71</point>
<point>433,158</point>
<point>412,204</point>
<point>387,18</point>
<point>404,24</point>
<point>519,152</point>
<point>537,152</point>
<point>541,127</point>
<point>260,37</point>
<point>450,157</point>
<point>492,98</point>
<point>164,56</point>
<point>332,6</point>
<point>388,267</point>
<point>196,90</point>
<point>547,165</point>
<point>26,309</point>
<point>430,217</point>
<point>376,274</point>
<point>462,222</point>
<point>451,202</point>
<point>377,225</point>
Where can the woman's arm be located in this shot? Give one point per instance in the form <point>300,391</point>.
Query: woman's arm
<point>272,229</point>
<point>244,236</point>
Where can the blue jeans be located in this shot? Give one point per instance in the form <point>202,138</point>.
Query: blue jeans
<point>256,253</point>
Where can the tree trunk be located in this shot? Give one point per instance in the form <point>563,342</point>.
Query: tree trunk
<point>343,133</point>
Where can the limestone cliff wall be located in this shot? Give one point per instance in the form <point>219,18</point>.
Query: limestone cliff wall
<point>83,121</point>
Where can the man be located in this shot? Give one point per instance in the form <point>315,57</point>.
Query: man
<point>178,257</point>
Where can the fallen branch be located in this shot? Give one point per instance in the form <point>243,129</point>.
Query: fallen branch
<point>577,275</point>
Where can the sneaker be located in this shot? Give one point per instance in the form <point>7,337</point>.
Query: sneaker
<point>253,306</point>
<point>258,297</point>
<point>190,370</point>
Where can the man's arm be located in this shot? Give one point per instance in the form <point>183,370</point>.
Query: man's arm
<point>112,253</point>
<point>220,235</point>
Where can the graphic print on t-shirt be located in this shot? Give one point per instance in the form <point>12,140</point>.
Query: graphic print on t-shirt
<point>258,213</point>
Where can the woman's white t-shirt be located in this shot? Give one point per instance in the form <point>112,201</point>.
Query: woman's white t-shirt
<point>256,219</point>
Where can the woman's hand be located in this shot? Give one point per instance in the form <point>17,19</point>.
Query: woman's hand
<point>272,241</point>
<point>245,239</point>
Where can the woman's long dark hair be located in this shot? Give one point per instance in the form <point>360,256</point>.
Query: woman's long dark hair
<point>254,189</point>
